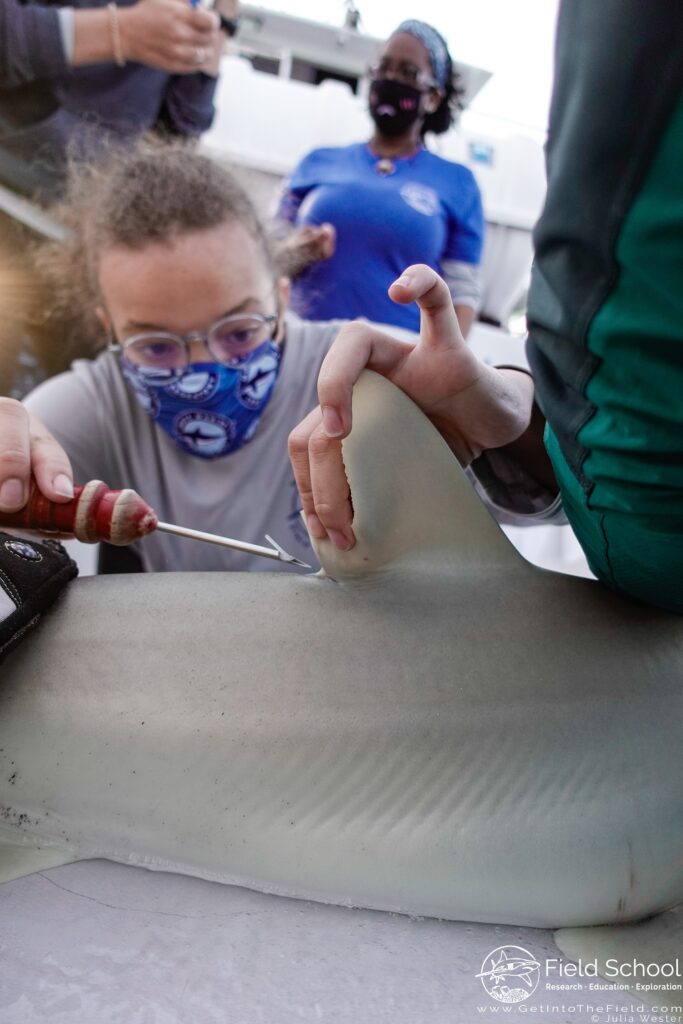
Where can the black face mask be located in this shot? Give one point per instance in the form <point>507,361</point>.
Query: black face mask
<point>394,107</point>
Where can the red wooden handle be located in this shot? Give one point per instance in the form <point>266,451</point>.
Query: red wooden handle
<point>95,513</point>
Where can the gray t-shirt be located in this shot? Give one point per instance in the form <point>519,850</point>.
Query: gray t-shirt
<point>108,436</point>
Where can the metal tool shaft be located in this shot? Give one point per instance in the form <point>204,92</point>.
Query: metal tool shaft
<point>228,542</point>
<point>98,513</point>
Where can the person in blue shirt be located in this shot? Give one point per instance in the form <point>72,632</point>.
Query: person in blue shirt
<point>364,212</point>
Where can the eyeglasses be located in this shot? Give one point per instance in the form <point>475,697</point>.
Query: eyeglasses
<point>402,71</point>
<point>164,356</point>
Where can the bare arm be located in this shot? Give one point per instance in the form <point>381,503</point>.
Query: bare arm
<point>163,34</point>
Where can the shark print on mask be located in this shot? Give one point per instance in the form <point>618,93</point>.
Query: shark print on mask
<point>213,409</point>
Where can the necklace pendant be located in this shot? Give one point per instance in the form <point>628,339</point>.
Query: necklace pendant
<point>385,167</point>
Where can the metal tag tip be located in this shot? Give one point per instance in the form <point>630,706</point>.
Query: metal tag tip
<point>284,556</point>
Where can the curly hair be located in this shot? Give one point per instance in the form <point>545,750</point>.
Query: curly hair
<point>448,110</point>
<point>131,197</point>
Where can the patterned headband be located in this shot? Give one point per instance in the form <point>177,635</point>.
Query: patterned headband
<point>433,43</point>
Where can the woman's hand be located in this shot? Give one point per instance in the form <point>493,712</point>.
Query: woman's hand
<point>27,448</point>
<point>171,35</point>
<point>307,245</point>
<point>474,406</point>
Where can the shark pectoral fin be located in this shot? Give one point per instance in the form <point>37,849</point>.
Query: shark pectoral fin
<point>413,505</point>
<point>655,943</point>
<point>17,860</point>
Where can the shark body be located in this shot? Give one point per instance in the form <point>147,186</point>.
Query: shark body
<point>432,726</point>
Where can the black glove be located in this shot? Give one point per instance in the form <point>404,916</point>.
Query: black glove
<point>32,575</point>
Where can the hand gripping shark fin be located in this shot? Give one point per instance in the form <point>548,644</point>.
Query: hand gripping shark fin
<point>414,507</point>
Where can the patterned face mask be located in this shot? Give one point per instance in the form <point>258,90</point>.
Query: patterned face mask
<point>212,409</point>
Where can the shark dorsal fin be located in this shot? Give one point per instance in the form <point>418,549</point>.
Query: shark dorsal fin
<point>414,507</point>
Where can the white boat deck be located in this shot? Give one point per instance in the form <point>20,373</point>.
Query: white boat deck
<point>100,943</point>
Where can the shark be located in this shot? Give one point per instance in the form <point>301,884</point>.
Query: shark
<point>430,725</point>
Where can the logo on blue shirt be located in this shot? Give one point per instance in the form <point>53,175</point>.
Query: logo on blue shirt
<point>422,198</point>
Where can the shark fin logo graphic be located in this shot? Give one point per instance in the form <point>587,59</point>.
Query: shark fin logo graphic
<point>204,433</point>
<point>196,387</point>
<point>257,380</point>
<point>510,974</point>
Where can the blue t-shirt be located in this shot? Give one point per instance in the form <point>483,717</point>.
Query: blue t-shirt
<point>427,211</point>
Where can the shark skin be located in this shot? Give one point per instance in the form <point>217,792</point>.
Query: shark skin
<point>430,726</point>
